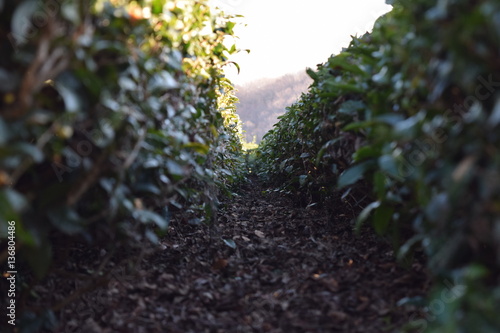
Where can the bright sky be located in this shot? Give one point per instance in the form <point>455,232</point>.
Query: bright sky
<point>286,36</point>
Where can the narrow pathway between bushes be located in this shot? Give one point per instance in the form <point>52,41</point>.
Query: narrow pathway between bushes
<point>292,269</point>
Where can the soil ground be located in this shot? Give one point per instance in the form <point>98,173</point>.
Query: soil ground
<point>268,265</point>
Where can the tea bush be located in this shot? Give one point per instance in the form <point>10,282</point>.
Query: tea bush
<point>113,115</point>
<point>411,110</point>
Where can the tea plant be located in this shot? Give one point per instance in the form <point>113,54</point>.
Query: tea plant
<point>411,112</point>
<point>113,116</point>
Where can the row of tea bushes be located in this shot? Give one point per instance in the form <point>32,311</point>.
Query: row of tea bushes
<point>406,120</point>
<point>113,115</point>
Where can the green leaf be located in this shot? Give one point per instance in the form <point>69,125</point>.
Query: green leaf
<point>151,163</point>
<point>25,236</point>
<point>175,168</point>
<point>407,129</point>
<point>325,147</point>
<point>388,164</point>
<point>342,87</point>
<point>71,12</point>
<point>351,107</point>
<point>195,221</point>
<point>126,83</point>
<point>151,235</point>
<point>365,152</point>
<point>11,201</point>
<point>147,188</point>
<point>66,220</point>
<point>418,301</point>
<point>146,216</point>
<point>71,99</point>
<point>389,119</point>
<point>235,65</point>
<point>359,125</point>
<point>363,216</point>
<point>157,6</point>
<point>382,76</point>
<point>198,147</point>
<point>439,208</point>
<point>382,218</point>
<point>229,27</point>
<point>342,61</point>
<point>226,172</point>
<point>283,165</point>
<point>230,243</point>
<point>312,74</point>
<point>39,258</point>
<point>21,21</point>
<point>379,181</point>
<point>302,180</point>
<point>405,250</point>
<point>475,272</point>
<point>162,81</point>
<point>353,174</point>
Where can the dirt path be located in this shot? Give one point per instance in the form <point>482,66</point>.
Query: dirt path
<point>291,270</point>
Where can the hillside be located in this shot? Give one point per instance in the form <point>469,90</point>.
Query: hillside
<point>263,101</point>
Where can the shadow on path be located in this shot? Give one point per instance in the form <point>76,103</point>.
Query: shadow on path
<point>267,266</point>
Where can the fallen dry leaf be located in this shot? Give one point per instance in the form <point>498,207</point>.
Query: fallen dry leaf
<point>259,234</point>
<point>219,264</point>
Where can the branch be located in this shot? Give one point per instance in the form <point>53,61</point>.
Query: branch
<point>89,179</point>
<point>46,65</point>
<point>133,155</point>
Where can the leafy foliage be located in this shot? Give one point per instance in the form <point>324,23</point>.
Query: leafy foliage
<point>114,115</point>
<point>411,110</point>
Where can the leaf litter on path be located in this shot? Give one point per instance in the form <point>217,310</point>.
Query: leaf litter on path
<point>274,267</point>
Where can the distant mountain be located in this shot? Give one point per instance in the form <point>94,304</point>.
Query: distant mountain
<point>264,100</point>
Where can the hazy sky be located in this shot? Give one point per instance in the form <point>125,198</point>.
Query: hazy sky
<point>286,36</point>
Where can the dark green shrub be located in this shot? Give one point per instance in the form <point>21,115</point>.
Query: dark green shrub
<point>413,110</point>
<point>112,114</point>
